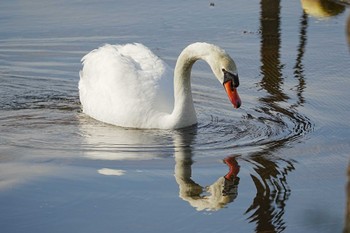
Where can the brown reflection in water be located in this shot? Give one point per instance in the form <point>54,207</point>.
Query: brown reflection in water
<point>348,31</point>
<point>299,68</point>
<point>271,71</point>
<point>270,171</point>
<point>323,9</point>
<point>270,178</point>
<point>270,57</point>
<point>267,209</point>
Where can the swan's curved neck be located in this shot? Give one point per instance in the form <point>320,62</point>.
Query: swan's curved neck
<point>184,111</point>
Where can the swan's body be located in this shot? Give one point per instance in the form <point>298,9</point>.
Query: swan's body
<point>127,85</point>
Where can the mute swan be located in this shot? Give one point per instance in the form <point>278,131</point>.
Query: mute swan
<point>129,86</point>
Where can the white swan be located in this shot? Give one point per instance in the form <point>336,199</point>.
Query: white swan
<point>129,86</point>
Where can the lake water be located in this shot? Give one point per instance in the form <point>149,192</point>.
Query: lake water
<point>287,146</point>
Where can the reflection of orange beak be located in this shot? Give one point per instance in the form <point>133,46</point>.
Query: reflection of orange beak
<point>232,94</point>
<point>234,167</point>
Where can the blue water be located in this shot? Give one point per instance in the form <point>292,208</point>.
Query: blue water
<point>61,171</point>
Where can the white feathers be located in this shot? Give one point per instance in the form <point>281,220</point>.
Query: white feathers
<point>120,85</point>
<point>129,86</point>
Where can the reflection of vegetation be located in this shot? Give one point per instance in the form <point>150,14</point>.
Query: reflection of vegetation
<point>348,30</point>
<point>322,8</point>
<point>274,103</point>
<point>299,68</point>
<point>270,172</point>
<point>270,58</point>
<point>267,209</point>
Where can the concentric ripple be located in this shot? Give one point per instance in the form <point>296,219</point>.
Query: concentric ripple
<point>41,107</point>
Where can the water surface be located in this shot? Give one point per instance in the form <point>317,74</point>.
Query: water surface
<point>287,146</point>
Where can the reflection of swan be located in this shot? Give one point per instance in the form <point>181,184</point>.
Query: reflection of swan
<point>321,8</point>
<point>127,85</point>
<point>213,197</point>
<point>105,142</point>
<point>222,191</point>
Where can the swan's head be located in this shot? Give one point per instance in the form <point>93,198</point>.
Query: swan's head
<point>225,71</point>
<point>220,63</point>
<point>231,82</point>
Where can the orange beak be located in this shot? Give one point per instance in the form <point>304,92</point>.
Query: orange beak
<point>232,94</point>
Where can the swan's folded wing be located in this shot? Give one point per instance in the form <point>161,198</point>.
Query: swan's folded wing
<point>121,84</point>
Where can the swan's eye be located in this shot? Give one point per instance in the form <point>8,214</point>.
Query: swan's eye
<point>228,76</point>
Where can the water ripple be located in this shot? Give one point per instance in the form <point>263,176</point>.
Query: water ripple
<point>40,90</point>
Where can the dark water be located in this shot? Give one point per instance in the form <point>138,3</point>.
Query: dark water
<point>286,149</point>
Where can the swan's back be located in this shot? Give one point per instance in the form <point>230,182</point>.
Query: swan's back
<point>120,85</point>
